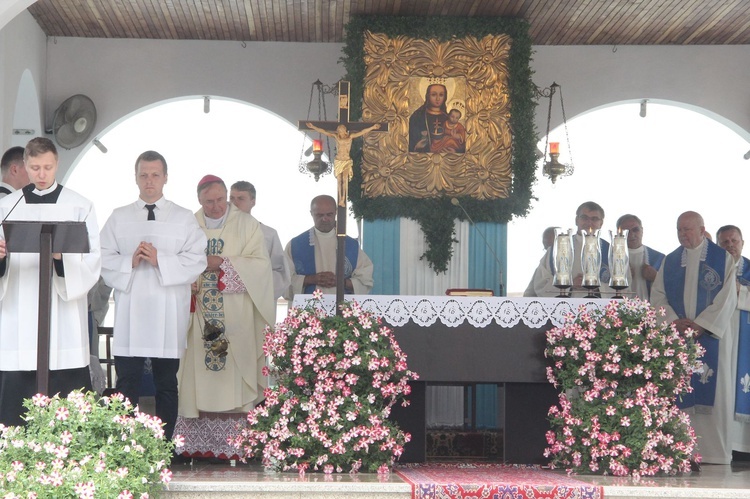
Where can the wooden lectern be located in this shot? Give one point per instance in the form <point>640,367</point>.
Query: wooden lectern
<point>45,238</point>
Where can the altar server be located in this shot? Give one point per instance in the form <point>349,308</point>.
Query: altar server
<point>696,285</point>
<point>152,251</point>
<point>73,275</point>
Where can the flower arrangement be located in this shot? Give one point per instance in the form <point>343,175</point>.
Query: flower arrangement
<point>338,377</point>
<point>620,372</point>
<point>81,446</point>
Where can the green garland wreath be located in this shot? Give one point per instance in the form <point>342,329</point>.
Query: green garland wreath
<point>435,216</point>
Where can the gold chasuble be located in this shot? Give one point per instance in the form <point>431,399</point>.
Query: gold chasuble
<point>222,367</point>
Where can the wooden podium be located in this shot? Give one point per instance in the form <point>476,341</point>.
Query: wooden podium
<point>45,238</point>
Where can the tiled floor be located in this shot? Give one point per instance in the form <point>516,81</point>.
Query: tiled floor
<point>714,482</point>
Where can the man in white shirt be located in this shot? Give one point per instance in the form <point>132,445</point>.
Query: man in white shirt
<point>13,171</point>
<point>152,251</point>
<point>313,254</point>
<point>696,286</point>
<point>548,239</point>
<point>242,194</point>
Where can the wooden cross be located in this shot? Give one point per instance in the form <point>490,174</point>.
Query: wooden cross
<point>342,167</point>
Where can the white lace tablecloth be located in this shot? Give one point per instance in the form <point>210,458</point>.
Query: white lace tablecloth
<point>398,310</point>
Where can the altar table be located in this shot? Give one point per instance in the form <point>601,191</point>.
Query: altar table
<point>450,339</point>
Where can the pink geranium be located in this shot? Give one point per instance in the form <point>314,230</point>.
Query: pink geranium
<point>338,378</point>
<point>615,415</point>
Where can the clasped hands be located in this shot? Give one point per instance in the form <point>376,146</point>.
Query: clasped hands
<point>683,324</point>
<point>323,279</point>
<point>145,252</point>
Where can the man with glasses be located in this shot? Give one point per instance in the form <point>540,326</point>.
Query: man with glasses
<point>644,261</point>
<point>589,217</point>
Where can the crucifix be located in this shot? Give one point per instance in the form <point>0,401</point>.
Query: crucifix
<point>343,131</point>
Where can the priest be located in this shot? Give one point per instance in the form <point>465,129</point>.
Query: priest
<point>233,303</point>
<point>589,216</point>
<point>73,275</point>
<point>313,254</point>
<point>730,238</point>
<point>696,286</point>
<point>644,261</point>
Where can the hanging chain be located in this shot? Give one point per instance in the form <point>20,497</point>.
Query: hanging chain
<point>565,125</point>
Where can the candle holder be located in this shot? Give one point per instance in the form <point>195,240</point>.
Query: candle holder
<point>591,262</point>
<point>619,260</point>
<point>562,258</point>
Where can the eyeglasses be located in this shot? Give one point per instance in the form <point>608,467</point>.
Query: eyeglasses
<point>586,218</point>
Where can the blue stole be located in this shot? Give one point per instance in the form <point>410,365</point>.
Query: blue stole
<point>742,386</point>
<point>655,259</point>
<point>303,252</point>
<point>710,282</point>
<point>603,270</point>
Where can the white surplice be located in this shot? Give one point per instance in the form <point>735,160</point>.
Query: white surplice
<point>152,303</point>
<point>19,292</point>
<point>282,275</point>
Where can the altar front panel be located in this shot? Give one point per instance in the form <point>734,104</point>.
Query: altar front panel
<point>476,340</point>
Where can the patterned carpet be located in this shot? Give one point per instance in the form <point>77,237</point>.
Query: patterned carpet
<point>492,481</point>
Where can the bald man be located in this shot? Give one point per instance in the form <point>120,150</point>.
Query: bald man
<point>696,286</point>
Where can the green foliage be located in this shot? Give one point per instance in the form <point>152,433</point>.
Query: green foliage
<point>338,377</point>
<point>83,446</point>
<point>619,373</point>
<point>436,216</point>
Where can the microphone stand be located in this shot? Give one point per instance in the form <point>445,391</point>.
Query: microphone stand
<point>455,202</point>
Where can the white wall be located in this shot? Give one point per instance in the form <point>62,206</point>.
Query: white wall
<point>22,47</point>
<point>708,78</point>
<point>122,76</point>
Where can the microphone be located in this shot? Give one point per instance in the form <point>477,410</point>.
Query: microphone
<point>455,202</point>
<point>25,190</point>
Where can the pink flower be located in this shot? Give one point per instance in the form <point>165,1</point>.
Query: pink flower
<point>62,413</point>
<point>165,475</point>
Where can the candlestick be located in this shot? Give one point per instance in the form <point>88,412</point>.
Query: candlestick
<point>563,258</point>
<point>591,258</point>
<point>618,259</point>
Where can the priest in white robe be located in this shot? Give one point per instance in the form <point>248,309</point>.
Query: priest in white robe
<point>696,286</point>
<point>730,238</point>
<point>644,261</point>
<point>313,255</point>
<point>243,195</point>
<point>589,217</point>
<point>233,304</point>
<point>152,251</point>
<point>72,277</point>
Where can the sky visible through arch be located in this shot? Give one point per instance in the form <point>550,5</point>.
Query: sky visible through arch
<point>656,167</point>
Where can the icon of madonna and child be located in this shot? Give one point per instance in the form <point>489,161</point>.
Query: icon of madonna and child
<point>435,127</point>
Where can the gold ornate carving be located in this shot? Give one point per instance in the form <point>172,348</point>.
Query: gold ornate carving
<point>473,73</point>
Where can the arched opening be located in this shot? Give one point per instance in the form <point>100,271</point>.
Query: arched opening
<point>676,158</point>
<point>235,140</point>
